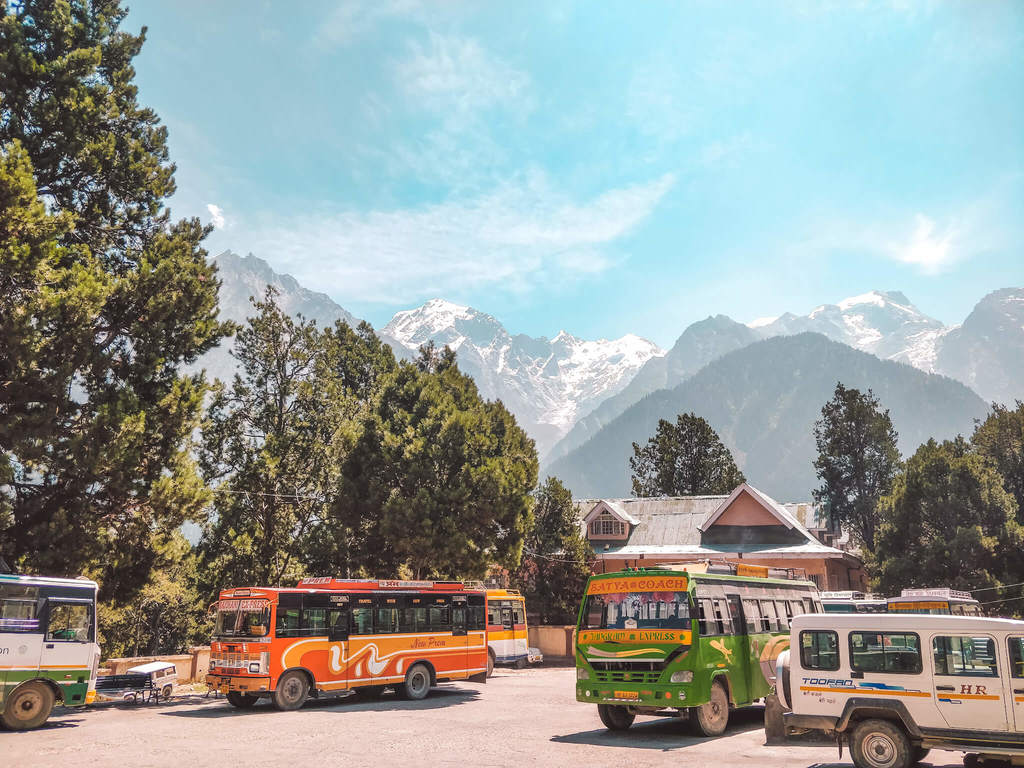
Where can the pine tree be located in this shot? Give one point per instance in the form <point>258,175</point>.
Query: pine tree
<point>102,298</point>
<point>1000,439</point>
<point>857,460</point>
<point>683,459</point>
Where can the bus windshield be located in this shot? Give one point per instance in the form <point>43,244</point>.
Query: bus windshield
<point>242,618</point>
<point>638,610</point>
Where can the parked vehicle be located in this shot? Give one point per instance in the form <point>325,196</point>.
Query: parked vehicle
<point>694,638</point>
<point>942,601</point>
<point>894,686</point>
<point>48,650</point>
<point>507,633</point>
<point>148,682</point>
<point>852,602</point>
<point>339,635</point>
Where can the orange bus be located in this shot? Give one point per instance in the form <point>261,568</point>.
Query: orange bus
<point>506,629</point>
<point>339,635</point>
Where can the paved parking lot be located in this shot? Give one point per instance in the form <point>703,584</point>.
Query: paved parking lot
<point>527,717</point>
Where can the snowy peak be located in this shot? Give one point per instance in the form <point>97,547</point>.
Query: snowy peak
<point>884,323</point>
<point>547,384</point>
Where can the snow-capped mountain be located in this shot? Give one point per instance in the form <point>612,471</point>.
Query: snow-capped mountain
<point>547,384</point>
<point>884,323</point>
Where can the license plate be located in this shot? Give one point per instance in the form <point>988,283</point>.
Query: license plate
<point>626,694</point>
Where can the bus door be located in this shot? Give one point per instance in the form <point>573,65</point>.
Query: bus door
<point>739,627</point>
<point>66,653</point>
<point>1016,678</point>
<point>460,638</point>
<point>966,678</point>
<point>337,635</point>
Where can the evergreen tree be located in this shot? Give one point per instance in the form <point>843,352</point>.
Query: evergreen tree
<point>683,459</point>
<point>557,558</point>
<point>857,460</point>
<point>102,297</point>
<point>1000,439</point>
<point>439,481</point>
<point>948,522</point>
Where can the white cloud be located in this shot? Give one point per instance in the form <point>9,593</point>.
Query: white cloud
<point>518,236</point>
<point>927,248</point>
<point>456,73</point>
<point>352,19</point>
<point>216,215</point>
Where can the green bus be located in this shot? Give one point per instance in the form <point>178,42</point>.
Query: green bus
<point>698,638</point>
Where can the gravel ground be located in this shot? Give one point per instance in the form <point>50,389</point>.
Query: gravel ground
<point>527,717</point>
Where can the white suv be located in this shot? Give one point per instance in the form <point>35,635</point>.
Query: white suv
<point>893,686</point>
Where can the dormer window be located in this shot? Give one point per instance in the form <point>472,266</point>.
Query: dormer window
<point>607,525</point>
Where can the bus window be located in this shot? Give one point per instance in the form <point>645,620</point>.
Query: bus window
<point>706,617</point>
<point>440,619</point>
<point>796,607</point>
<point>494,614</point>
<point>314,621</point>
<point>518,613</point>
<point>406,617</point>
<point>769,618</point>
<point>753,611</point>
<point>637,610</point>
<point>18,616</point>
<point>476,612</point>
<point>362,616</point>
<point>722,618</point>
<point>783,609</point>
<point>386,620</point>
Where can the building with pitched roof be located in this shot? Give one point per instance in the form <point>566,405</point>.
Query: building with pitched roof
<point>746,526</point>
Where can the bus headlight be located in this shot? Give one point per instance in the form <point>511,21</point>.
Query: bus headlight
<point>255,668</point>
<point>683,676</point>
<point>582,674</point>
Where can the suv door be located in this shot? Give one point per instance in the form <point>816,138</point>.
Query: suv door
<point>966,680</point>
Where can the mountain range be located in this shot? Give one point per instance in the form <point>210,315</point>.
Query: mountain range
<point>566,391</point>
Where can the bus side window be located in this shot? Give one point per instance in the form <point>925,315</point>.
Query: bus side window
<point>387,615</point>
<point>706,613</point>
<point>722,618</point>
<point>406,616</point>
<point>518,613</point>
<point>494,614</point>
<point>476,612</point>
<point>785,614</point>
<point>362,616</point>
<point>769,619</point>
<point>796,607</point>
<point>440,615</point>
<point>753,611</point>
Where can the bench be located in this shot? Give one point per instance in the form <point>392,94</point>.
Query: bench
<point>129,686</point>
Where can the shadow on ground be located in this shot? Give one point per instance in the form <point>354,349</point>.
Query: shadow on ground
<point>663,733</point>
<point>389,702</point>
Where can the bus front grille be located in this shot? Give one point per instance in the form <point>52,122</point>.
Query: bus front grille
<point>627,671</point>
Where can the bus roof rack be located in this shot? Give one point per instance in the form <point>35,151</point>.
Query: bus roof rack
<point>732,568</point>
<point>940,592</point>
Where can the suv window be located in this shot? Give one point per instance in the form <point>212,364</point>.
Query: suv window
<point>1016,656</point>
<point>894,653</point>
<point>965,656</point>
<point>819,649</point>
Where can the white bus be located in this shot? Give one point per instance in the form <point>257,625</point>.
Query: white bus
<point>48,648</point>
<point>894,686</point>
<point>942,601</point>
<point>852,602</point>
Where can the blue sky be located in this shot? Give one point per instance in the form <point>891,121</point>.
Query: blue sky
<point>606,168</point>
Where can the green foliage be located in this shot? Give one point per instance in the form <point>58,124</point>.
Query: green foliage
<point>683,459</point>
<point>948,522</point>
<point>273,443</point>
<point>101,298</point>
<point>165,616</point>
<point>1000,439</point>
<point>439,480</point>
<point>857,460</point>
<point>557,558</point>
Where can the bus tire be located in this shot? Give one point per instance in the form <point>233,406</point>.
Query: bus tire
<point>240,700</point>
<point>880,744</point>
<point>615,718</point>
<point>28,707</point>
<point>712,718</point>
<point>417,683</point>
<point>490,662</point>
<point>918,754</point>
<point>292,690</point>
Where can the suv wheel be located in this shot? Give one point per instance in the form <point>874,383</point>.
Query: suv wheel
<point>880,744</point>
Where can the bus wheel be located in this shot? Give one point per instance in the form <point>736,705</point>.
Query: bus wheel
<point>615,718</point>
<point>880,744</point>
<point>918,754</point>
<point>711,719</point>
<point>291,692</point>
<point>490,663</point>
<point>242,700</point>
<point>417,683</point>
<point>28,707</point>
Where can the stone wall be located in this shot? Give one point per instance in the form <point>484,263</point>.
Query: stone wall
<point>553,641</point>
<point>191,666</point>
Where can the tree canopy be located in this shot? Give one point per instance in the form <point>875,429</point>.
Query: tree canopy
<point>947,522</point>
<point>102,298</point>
<point>683,459</point>
<point>557,557</point>
<point>1000,439</point>
<point>857,460</point>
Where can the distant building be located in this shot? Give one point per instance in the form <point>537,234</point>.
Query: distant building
<point>746,526</point>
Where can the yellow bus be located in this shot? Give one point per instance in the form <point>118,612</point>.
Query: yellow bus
<point>506,630</point>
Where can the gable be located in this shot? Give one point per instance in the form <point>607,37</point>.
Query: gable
<point>745,510</point>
